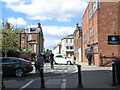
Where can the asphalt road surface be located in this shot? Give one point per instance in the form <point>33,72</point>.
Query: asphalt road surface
<point>32,80</point>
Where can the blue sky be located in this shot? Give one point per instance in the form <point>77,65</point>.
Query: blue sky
<point>57,17</point>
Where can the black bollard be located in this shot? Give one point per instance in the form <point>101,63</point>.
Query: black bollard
<point>3,86</point>
<point>113,75</point>
<point>42,78</point>
<point>79,77</point>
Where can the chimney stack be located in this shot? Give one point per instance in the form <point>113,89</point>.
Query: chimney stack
<point>7,26</point>
<point>77,26</point>
<point>39,25</point>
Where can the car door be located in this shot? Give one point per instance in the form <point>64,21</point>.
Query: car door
<point>8,65</point>
<point>63,59</point>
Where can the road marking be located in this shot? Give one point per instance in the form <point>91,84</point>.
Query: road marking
<point>63,84</point>
<point>26,85</point>
<point>65,71</point>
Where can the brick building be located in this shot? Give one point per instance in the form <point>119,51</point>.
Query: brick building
<point>101,31</point>
<point>31,39</point>
<point>77,35</point>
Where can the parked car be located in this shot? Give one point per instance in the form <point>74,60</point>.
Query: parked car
<point>15,66</point>
<point>62,59</point>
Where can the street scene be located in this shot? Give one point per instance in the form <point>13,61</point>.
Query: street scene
<point>64,76</point>
<point>60,44</point>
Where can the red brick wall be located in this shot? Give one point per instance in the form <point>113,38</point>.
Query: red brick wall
<point>108,24</point>
<point>77,44</point>
<point>119,28</point>
<point>104,23</point>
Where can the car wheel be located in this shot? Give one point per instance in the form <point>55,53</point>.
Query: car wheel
<point>19,72</point>
<point>68,63</point>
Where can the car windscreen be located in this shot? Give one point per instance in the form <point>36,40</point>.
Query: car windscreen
<point>60,56</point>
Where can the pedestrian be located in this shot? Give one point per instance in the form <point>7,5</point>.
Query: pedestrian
<point>89,57</point>
<point>40,62</point>
<point>44,57</point>
<point>41,65</point>
<point>74,60</point>
<point>52,60</point>
<point>36,63</point>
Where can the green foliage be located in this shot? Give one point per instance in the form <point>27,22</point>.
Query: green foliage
<point>27,51</point>
<point>8,40</point>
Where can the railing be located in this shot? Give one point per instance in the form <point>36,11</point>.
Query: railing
<point>107,60</point>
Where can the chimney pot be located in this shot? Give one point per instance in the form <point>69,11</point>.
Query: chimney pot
<point>7,26</point>
<point>39,25</point>
<point>77,26</point>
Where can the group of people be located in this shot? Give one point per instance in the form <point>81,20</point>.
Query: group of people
<point>40,60</point>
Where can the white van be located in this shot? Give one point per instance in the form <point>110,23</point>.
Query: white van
<point>62,59</point>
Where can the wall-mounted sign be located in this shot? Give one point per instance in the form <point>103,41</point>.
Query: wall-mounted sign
<point>114,40</point>
<point>95,49</point>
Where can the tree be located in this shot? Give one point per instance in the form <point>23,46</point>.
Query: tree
<point>8,40</point>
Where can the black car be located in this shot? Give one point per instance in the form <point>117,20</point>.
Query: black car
<point>15,66</point>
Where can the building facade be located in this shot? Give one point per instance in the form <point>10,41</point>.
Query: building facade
<point>31,39</point>
<point>57,49</point>
<point>67,46</point>
<point>101,31</point>
<point>77,44</point>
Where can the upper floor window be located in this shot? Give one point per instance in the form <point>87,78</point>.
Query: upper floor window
<point>31,47</point>
<point>70,40</point>
<point>16,39</point>
<point>92,10</point>
<point>67,47</point>
<point>23,39</point>
<point>71,47</point>
<point>90,13</point>
<point>29,37</point>
<point>84,38</point>
<point>91,32</point>
<point>66,40</point>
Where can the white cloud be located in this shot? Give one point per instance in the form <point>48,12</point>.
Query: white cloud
<point>54,34</point>
<point>58,30</point>
<point>17,21</point>
<point>61,10</point>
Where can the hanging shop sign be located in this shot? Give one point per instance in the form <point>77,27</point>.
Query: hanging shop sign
<point>114,40</point>
<point>96,49</point>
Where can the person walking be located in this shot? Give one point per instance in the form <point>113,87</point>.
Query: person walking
<point>41,65</point>
<point>45,62</point>
<point>36,63</point>
<point>40,62</point>
<point>89,57</point>
<point>52,60</point>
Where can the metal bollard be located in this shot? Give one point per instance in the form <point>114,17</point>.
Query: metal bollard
<point>79,77</point>
<point>113,75</point>
<point>3,86</point>
<point>42,78</point>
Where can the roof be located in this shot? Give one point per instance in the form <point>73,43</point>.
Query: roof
<point>68,37</point>
<point>29,30</point>
<point>18,30</point>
